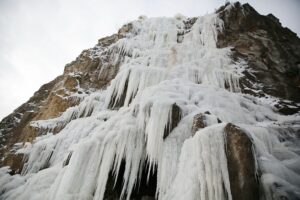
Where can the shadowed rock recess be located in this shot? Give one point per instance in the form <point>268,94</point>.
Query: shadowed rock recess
<point>167,108</point>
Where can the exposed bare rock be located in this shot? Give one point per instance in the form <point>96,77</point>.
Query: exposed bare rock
<point>198,122</point>
<point>241,164</point>
<point>271,51</point>
<point>202,120</point>
<point>16,162</point>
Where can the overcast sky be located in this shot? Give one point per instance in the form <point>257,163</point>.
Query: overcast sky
<point>38,37</point>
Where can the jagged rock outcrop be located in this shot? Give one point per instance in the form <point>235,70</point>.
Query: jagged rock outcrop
<point>271,51</point>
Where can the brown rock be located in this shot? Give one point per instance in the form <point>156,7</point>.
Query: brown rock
<point>272,52</point>
<point>16,162</point>
<point>241,164</point>
<point>198,122</point>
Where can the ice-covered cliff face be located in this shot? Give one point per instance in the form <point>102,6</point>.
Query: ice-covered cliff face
<point>161,112</point>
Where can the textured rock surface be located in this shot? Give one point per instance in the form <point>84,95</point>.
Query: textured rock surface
<point>241,164</point>
<point>271,51</point>
<point>202,120</point>
<point>198,122</point>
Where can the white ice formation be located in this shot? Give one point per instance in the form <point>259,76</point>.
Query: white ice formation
<point>164,64</point>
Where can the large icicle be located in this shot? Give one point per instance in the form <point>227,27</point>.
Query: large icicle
<point>202,172</point>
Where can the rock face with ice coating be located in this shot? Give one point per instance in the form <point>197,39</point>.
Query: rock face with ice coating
<point>271,51</point>
<point>152,113</point>
<point>80,78</point>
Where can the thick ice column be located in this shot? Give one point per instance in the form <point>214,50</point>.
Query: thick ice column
<point>202,171</point>
<point>163,119</point>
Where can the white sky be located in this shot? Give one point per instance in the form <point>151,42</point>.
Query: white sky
<point>38,37</point>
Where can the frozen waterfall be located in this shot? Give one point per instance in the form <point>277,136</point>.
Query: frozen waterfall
<point>130,125</point>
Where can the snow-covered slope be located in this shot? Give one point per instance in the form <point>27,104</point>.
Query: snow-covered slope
<point>140,126</point>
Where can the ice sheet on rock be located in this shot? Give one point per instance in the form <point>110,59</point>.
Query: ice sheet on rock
<point>131,81</point>
<point>52,149</point>
<point>155,112</point>
<point>121,134</point>
<point>27,187</point>
<point>277,188</point>
<point>202,172</point>
<point>171,150</point>
<point>278,157</point>
<point>93,102</point>
<point>155,56</point>
<point>106,149</point>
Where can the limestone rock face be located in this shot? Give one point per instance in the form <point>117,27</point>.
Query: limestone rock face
<point>241,164</point>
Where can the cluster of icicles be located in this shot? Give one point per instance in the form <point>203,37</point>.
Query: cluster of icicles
<point>159,70</point>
